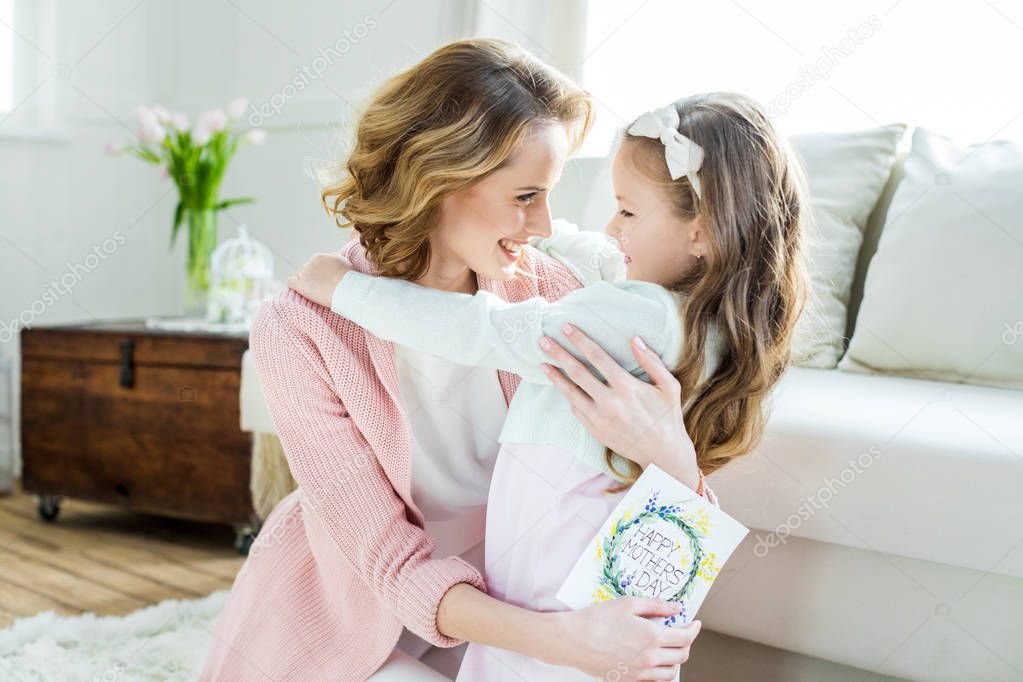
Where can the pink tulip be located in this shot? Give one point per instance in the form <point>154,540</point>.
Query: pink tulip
<point>180,121</point>
<point>216,120</point>
<point>162,115</point>
<point>209,122</point>
<point>150,129</point>
<point>236,109</point>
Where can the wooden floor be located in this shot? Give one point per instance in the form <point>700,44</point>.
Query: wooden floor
<point>101,559</point>
<point>105,560</point>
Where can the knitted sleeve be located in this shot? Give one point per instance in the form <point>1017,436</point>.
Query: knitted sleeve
<point>342,481</point>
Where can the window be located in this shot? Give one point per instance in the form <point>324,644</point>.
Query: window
<point>27,43</point>
<point>6,56</point>
<point>815,66</point>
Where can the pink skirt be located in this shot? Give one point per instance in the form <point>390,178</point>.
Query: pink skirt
<point>544,508</point>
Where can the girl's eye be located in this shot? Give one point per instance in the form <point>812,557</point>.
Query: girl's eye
<point>625,214</point>
<point>526,198</point>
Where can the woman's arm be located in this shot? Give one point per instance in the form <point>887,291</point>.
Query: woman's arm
<point>639,420</point>
<point>441,600</point>
<point>346,489</point>
<point>614,638</point>
<point>486,331</point>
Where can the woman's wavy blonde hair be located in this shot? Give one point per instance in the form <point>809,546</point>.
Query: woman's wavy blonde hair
<point>752,281</point>
<point>438,127</point>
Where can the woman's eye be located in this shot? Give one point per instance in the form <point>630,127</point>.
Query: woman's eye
<point>625,214</point>
<point>526,198</point>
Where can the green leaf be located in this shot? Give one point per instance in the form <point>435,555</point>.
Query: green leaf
<point>178,214</point>
<point>227,203</point>
<point>148,155</point>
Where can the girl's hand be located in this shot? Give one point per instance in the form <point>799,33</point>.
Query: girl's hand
<point>616,640</point>
<point>317,279</point>
<point>640,421</point>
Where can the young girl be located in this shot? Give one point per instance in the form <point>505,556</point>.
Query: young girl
<point>709,274</point>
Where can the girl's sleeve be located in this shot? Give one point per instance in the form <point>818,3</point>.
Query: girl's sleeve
<point>355,508</point>
<point>590,256</point>
<point>487,331</point>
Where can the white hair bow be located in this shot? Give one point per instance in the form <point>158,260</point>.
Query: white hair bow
<point>684,156</point>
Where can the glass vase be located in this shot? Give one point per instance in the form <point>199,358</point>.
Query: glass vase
<point>202,240</point>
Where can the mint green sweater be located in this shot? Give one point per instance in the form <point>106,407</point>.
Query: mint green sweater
<point>484,330</point>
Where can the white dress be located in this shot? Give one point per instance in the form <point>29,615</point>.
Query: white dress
<point>455,414</point>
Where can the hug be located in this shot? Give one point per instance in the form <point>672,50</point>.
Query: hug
<point>468,388</point>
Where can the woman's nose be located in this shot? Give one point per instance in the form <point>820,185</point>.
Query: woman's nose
<point>539,222</point>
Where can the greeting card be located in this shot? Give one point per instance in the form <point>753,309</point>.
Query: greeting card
<point>663,541</point>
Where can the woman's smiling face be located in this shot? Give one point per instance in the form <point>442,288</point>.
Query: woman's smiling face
<point>659,245</point>
<point>484,226</point>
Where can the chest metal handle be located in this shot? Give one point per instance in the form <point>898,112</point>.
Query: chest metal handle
<point>127,379</point>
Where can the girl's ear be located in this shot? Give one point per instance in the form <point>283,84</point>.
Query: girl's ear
<point>697,238</point>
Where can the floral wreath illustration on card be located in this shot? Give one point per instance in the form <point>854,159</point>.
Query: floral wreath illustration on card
<point>656,553</point>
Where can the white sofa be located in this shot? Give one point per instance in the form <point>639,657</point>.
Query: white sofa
<point>885,511</point>
<point>906,561</point>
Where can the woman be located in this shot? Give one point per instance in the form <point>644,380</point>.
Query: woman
<point>450,175</point>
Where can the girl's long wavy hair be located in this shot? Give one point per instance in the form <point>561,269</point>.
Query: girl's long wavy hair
<point>438,127</point>
<point>752,281</point>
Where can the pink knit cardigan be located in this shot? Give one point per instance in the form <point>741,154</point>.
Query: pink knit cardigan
<point>342,562</point>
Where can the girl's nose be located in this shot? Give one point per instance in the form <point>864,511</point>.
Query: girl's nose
<point>613,230</point>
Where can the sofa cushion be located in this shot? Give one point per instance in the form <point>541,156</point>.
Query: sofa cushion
<point>922,469</point>
<point>846,173</point>
<point>943,295</point>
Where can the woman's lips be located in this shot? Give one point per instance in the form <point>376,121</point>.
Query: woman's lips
<point>511,255</point>
<point>628,260</point>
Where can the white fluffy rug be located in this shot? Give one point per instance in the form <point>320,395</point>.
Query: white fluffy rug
<point>165,641</point>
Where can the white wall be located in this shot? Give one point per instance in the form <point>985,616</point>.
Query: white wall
<point>80,68</point>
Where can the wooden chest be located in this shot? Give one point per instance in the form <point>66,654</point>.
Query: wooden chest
<point>145,419</point>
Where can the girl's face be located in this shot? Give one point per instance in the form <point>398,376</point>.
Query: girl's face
<point>659,245</point>
<point>484,227</point>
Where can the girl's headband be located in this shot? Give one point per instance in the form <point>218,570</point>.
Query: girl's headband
<point>684,156</point>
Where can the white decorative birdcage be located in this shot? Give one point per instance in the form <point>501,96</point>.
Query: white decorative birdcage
<point>241,277</point>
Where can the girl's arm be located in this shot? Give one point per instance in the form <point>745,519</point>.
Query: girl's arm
<point>484,330</point>
<point>591,256</point>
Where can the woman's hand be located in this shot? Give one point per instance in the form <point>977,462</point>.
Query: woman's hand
<point>317,279</point>
<point>640,421</point>
<point>617,640</point>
